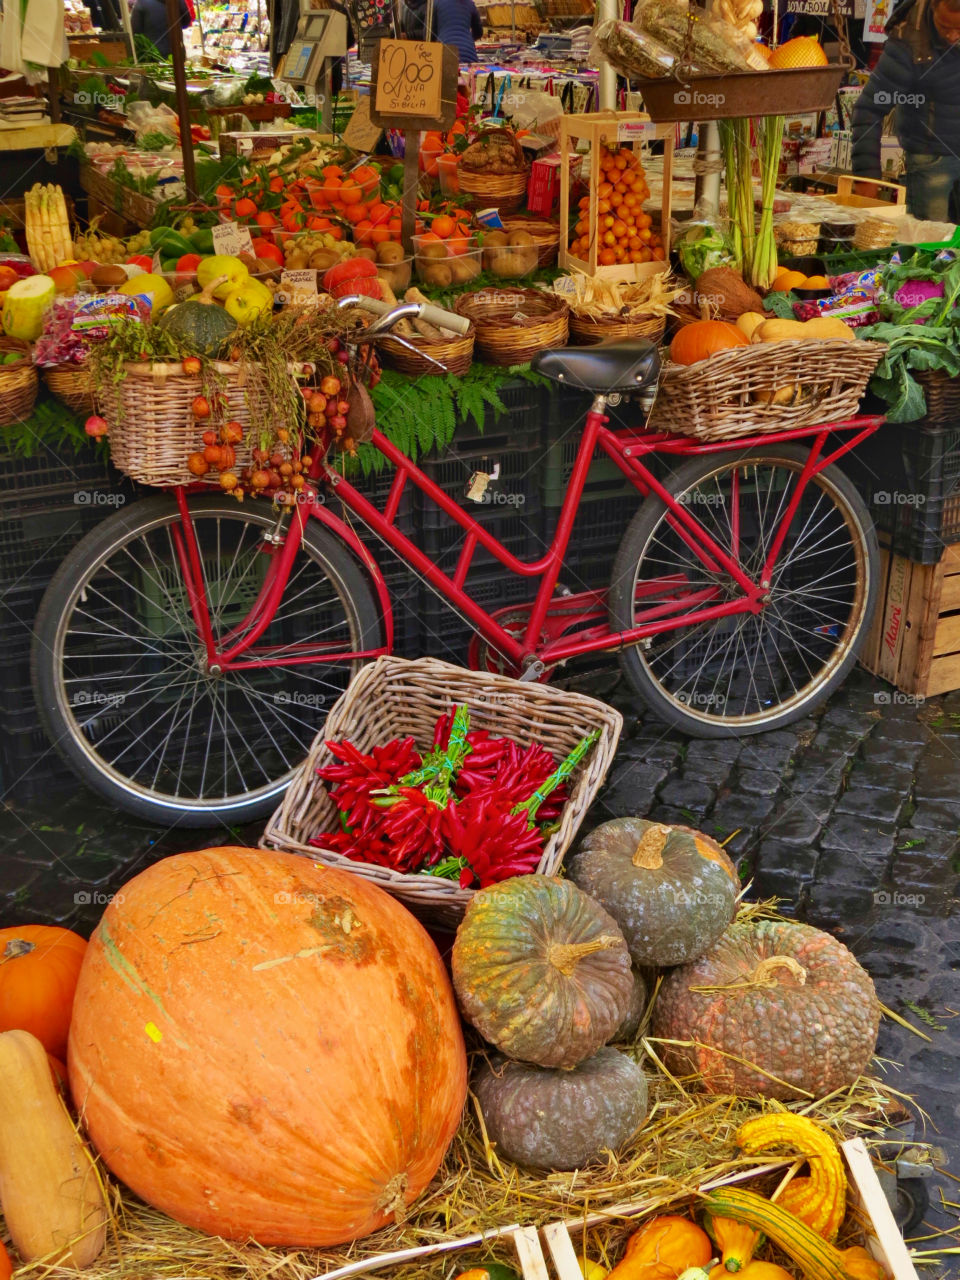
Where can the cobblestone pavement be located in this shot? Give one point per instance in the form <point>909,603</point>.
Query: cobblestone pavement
<point>852,817</point>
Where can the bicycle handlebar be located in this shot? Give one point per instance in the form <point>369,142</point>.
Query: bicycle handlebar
<point>388,316</point>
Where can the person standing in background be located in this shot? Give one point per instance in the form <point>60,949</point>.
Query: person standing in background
<point>455,22</point>
<point>918,77</point>
<point>149,18</point>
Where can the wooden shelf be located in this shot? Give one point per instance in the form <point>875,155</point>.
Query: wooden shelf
<point>40,137</point>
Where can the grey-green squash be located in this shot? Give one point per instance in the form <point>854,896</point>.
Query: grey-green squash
<point>671,890</point>
<point>200,322</point>
<point>555,1119</point>
<point>628,1028</point>
<point>541,970</point>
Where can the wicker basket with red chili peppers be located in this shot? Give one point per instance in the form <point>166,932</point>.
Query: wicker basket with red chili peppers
<point>434,781</point>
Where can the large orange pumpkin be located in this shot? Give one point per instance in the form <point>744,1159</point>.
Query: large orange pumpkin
<point>703,338</point>
<point>39,965</point>
<point>266,1047</point>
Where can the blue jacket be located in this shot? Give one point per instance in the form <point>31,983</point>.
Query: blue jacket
<point>918,75</point>
<point>149,18</point>
<point>457,22</point>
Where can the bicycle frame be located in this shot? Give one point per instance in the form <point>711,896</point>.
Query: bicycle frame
<point>528,653</point>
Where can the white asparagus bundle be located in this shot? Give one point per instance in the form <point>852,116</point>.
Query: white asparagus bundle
<point>47,226</point>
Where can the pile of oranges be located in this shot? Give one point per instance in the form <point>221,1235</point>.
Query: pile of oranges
<point>624,232</point>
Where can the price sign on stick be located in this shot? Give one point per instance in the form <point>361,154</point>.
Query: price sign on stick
<point>415,84</point>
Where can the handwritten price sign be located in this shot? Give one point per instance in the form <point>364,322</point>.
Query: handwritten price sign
<point>416,84</point>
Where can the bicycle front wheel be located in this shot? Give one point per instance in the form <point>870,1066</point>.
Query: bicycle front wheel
<point>121,676</point>
<point>748,672</point>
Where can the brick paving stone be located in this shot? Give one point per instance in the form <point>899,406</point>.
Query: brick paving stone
<point>16,878</point>
<point>941,786</point>
<point>703,749</point>
<point>743,812</point>
<point>853,719</point>
<point>794,826</point>
<point>712,772</point>
<point>891,751</point>
<point>685,793</point>
<point>818,804</point>
<point>816,781</point>
<point>879,776</point>
<point>836,742</point>
<point>786,885</point>
<point>829,903</point>
<point>758,754</point>
<point>935,816</point>
<point>631,788</point>
<point>758,782</point>
<point>774,855</point>
<point>663,750</point>
<point>670,815</point>
<point>883,806</point>
<point>859,837</point>
<point>902,731</point>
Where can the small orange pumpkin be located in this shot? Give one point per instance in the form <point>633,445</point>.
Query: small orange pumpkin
<point>861,1264</point>
<point>704,338</point>
<point>663,1249</point>
<point>755,1270</point>
<point>6,1266</point>
<point>39,965</point>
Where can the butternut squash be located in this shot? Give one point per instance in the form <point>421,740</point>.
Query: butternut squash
<point>828,327</point>
<point>749,321</point>
<point>51,1197</point>
<point>780,331</point>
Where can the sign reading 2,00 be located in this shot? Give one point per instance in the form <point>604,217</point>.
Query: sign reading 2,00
<point>409,80</point>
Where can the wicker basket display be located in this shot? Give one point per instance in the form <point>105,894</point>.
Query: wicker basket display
<point>512,325</point>
<point>18,383</point>
<point>502,191</point>
<point>152,427</point>
<point>73,384</point>
<point>546,236</point>
<point>942,394</point>
<point>731,393</point>
<point>393,697</point>
<point>455,355</point>
<point>587,331</point>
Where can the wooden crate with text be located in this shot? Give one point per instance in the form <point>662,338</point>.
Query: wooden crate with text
<point>617,131</point>
<point>914,641</point>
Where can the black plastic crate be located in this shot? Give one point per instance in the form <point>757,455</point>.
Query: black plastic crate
<point>53,468</point>
<point>909,475</point>
<point>30,767</point>
<point>445,634</point>
<point>598,528</point>
<point>38,530</point>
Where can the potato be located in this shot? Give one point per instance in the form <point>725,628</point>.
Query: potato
<point>397,275</point>
<point>463,268</point>
<point>322,259</point>
<point>389,251</point>
<point>437,273</point>
<point>493,238</point>
<point>520,237</point>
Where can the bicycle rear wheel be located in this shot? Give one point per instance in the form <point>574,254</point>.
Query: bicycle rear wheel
<point>748,673</point>
<point>120,673</point>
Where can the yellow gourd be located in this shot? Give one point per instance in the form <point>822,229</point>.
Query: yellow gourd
<point>737,1242</point>
<point>755,1270</point>
<point>862,1265</point>
<point>52,1201</point>
<point>828,327</point>
<point>817,1259</point>
<point>820,1200</point>
<point>749,321</point>
<point>779,331</point>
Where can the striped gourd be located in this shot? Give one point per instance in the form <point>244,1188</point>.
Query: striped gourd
<point>819,1200</point>
<point>816,1257</point>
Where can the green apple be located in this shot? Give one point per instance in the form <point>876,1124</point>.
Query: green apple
<point>249,301</point>
<point>222,264</point>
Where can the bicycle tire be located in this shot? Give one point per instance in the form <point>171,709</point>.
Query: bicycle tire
<point>92,702</point>
<point>670,672</point>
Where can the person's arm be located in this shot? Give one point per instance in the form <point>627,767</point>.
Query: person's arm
<point>893,77</point>
<point>185,18</point>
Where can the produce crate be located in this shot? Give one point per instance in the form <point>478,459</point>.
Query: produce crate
<point>35,538</point>
<point>914,640</point>
<point>444,633</point>
<point>839,264</point>
<point>392,697</point>
<point>129,205</point>
<point>613,129</point>
<point>597,533</point>
<point>909,475</point>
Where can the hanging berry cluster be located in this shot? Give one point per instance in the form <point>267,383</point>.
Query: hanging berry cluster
<point>474,808</point>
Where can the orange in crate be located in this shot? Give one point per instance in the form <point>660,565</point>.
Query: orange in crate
<point>609,232</point>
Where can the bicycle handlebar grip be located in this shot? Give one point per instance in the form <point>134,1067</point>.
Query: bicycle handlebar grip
<point>444,319</point>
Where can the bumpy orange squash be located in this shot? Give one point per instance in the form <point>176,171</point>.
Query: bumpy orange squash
<point>663,1249</point>
<point>262,1046</point>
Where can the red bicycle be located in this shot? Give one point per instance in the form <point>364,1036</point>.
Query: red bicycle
<point>189,647</point>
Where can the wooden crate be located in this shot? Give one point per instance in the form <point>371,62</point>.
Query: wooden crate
<point>132,206</point>
<point>914,640</point>
<point>613,129</point>
<point>849,198</point>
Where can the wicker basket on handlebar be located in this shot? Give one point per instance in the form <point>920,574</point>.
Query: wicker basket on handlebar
<point>767,386</point>
<point>153,430</point>
<point>393,697</point>
<point>513,324</point>
<point>455,355</point>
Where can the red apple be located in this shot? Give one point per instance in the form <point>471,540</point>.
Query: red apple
<point>88,267</point>
<point>67,277</point>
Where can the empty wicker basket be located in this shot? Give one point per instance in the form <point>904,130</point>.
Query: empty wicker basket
<point>18,383</point>
<point>392,698</point>
<point>73,384</point>
<point>587,331</point>
<point>513,324</point>
<point>454,355</point>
